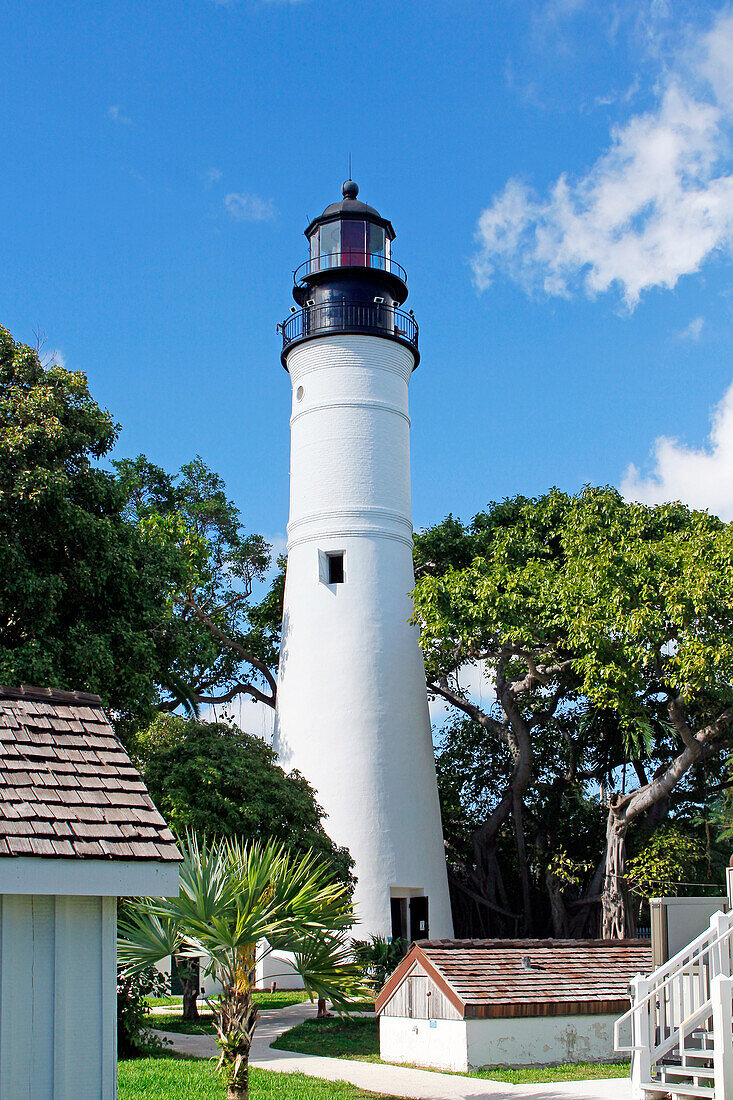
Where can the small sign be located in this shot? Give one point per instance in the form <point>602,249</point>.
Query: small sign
<point>433,1023</point>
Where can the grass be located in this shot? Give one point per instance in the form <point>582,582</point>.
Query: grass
<point>334,1038</point>
<point>543,1075</point>
<point>172,1021</point>
<point>359,1040</point>
<point>281,998</point>
<point>191,1079</point>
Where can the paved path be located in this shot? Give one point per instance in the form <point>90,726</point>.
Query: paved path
<point>392,1080</point>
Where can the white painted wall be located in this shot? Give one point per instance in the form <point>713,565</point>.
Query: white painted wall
<point>58,1010</point>
<point>352,708</point>
<point>541,1041</point>
<point>275,967</point>
<point>437,1044</point>
<point>459,1045</point>
<point>278,967</point>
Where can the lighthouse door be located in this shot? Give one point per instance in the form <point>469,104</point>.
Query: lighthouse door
<point>419,929</point>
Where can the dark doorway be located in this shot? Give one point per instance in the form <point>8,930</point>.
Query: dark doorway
<point>185,969</point>
<point>399,918</point>
<point>419,929</point>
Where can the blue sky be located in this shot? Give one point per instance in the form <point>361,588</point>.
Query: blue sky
<point>559,175</point>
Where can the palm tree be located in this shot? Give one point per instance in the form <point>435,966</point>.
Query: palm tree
<point>238,902</point>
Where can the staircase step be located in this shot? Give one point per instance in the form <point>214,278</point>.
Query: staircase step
<point>674,1074</point>
<point>677,1089</point>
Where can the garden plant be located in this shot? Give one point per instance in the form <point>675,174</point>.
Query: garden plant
<point>237,903</point>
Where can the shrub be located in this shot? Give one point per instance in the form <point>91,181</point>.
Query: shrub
<point>133,1036</point>
<point>379,957</point>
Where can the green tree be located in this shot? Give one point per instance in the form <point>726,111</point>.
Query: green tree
<point>590,614</point>
<point>226,643</point>
<point>238,902</point>
<point>215,780</point>
<point>85,596</point>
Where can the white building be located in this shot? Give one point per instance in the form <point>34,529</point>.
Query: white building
<point>352,709</point>
<point>461,1004</point>
<point>77,831</point>
<point>679,1029</point>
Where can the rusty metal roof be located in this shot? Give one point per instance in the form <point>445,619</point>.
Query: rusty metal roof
<point>528,977</point>
<point>67,786</point>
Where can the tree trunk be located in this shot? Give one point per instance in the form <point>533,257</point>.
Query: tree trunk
<point>558,912</point>
<point>240,1091</point>
<point>618,916</point>
<point>187,971</point>
<point>527,920</point>
<point>190,994</point>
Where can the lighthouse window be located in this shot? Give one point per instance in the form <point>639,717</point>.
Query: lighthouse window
<point>330,235</point>
<point>335,568</point>
<point>353,244</point>
<point>376,246</point>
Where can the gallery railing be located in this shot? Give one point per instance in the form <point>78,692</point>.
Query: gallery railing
<point>329,317</point>
<point>348,257</point>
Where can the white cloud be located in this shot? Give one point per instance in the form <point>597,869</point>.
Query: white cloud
<point>702,478</point>
<point>212,176</point>
<point>693,331</point>
<point>655,206</point>
<point>117,115</point>
<point>249,208</point>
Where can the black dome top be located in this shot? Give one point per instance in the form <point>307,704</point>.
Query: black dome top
<point>350,205</point>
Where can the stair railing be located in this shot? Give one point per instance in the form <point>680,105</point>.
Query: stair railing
<point>675,1000</point>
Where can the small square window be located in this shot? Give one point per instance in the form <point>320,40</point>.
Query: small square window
<point>336,568</point>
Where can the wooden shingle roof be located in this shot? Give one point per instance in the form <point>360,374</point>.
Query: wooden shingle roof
<point>500,978</point>
<point>67,787</point>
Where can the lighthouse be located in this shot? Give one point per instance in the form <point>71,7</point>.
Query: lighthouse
<point>352,712</point>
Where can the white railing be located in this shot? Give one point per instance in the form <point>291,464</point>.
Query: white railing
<point>686,998</point>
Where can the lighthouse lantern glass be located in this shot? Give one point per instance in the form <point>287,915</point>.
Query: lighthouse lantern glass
<point>349,243</point>
<point>353,244</point>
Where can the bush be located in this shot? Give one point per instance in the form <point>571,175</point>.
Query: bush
<point>133,1036</point>
<point>379,957</point>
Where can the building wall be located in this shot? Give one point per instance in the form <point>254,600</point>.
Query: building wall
<point>58,1010</point>
<point>419,998</point>
<point>437,1044</point>
<point>541,1041</point>
<point>352,708</point>
<point>458,1045</point>
<point>276,966</point>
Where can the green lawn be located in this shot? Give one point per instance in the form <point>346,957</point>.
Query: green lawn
<point>359,1039</point>
<point>188,1079</point>
<point>281,998</point>
<point>171,1021</point>
<point>334,1038</point>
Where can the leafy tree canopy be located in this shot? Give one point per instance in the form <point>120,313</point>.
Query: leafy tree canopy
<point>85,595</point>
<point>226,643</point>
<point>604,626</point>
<point>214,780</point>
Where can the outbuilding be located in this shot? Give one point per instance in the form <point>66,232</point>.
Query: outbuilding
<point>77,830</point>
<point>461,1004</point>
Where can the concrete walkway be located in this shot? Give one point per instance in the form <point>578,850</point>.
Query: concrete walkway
<point>391,1080</point>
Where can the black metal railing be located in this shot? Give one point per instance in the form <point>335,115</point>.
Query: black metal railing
<point>349,317</point>
<point>349,257</point>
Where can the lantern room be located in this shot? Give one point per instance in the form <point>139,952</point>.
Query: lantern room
<point>349,234</point>
<point>350,282</point>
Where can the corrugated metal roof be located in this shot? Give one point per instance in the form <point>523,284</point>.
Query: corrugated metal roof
<point>67,787</point>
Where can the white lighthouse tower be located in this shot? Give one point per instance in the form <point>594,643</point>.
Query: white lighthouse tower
<point>352,711</point>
